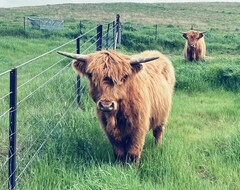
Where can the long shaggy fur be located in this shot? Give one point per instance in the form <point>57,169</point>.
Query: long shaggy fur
<point>142,94</point>
<point>195,47</point>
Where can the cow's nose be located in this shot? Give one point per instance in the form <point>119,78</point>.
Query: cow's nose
<point>106,105</point>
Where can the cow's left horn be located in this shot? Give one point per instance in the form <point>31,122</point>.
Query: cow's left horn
<point>79,57</point>
<point>142,60</point>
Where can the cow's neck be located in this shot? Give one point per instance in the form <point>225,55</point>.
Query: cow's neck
<point>191,53</point>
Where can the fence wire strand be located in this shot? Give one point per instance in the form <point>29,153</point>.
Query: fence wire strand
<point>21,151</point>
<point>39,121</point>
<point>3,97</point>
<point>5,72</point>
<point>5,113</point>
<point>44,142</point>
<point>40,73</point>
<point>33,92</point>
<point>43,72</point>
<point>29,148</point>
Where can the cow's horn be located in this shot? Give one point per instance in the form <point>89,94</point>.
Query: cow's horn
<point>142,60</point>
<point>79,57</point>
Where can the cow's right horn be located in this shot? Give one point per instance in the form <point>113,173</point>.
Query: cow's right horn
<point>142,60</point>
<point>79,57</point>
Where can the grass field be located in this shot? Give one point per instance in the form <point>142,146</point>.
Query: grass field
<point>200,148</point>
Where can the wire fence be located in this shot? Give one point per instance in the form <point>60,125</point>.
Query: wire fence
<point>42,91</point>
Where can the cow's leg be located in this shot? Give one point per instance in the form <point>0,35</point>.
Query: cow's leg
<point>119,151</point>
<point>158,133</point>
<point>135,146</point>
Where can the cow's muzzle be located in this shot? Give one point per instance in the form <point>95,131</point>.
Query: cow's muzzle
<point>106,105</point>
<point>191,46</point>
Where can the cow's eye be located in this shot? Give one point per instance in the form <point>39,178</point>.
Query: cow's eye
<point>108,80</point>
<point>124,78</point>
<point>89,75</point>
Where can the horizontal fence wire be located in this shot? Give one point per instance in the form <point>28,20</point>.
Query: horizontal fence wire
<point>32,115</point>
<point>88,40</point>
<point>25,149</point>
<point>30,61</point>
<point>39,74</point>
<point>80,36</point>
<point>46,53</point>
<point>112,45</point>
<point>31,80</point>
<point>33,92</point>
<point>24,140</point>
<point>42,72</point>
<point>6,112</point>
<point>6,95</point>
<point>34,143</point>
<point>94,43</point>
<point>44,142</point>
<point>5,72</point>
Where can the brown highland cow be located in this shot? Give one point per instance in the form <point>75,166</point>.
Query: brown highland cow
<point>195,47</point>
<point>132,94</point>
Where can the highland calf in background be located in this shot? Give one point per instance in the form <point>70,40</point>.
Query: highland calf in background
<point>195,47</point>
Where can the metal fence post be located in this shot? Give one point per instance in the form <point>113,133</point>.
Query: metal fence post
<point>24,23</point>
<point>78,76</point>
<point>114,35</point>
<point>99,37</point>
<point>156,32</point>
<point>80,27</point>
<point>12,130</point>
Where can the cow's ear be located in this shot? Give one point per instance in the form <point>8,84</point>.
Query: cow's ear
<point>201,34</point>
<point>184,34</point>
<point>136,62</point>
<point>79,63</point>
<point>79,66</point>
<point>136,67</point>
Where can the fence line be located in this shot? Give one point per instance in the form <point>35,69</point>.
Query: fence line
<point>5,112</point>
<point>44,142</point>
<point>6,95</point>
<point>33,92</point>
<point>29,134</point>
<point>40,147</point>
<point>40,73</point>
<point>46,53</point>
<point>5,72</point>
<point>13,133</point>
<point>19,156</point>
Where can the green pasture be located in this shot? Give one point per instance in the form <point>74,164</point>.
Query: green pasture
<point>200,148</point>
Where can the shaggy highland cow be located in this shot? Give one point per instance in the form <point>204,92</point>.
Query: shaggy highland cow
<point>132,94</point>
<point>195,47</point>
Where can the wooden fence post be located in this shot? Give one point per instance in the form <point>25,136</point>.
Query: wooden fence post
<point>118,29</point>
<point>114,35</point>
<point>107,37</point>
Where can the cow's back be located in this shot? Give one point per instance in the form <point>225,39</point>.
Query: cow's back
<point>202,48</point>
<point>157,80</point>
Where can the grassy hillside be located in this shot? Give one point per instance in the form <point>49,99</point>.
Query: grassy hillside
<point>200,148</point>
<point>205,16</point>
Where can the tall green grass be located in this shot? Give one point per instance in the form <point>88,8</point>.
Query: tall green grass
<point>168,39</point>
<point>200,147</point>
<point>223,73</point>
<point>199,150</point>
